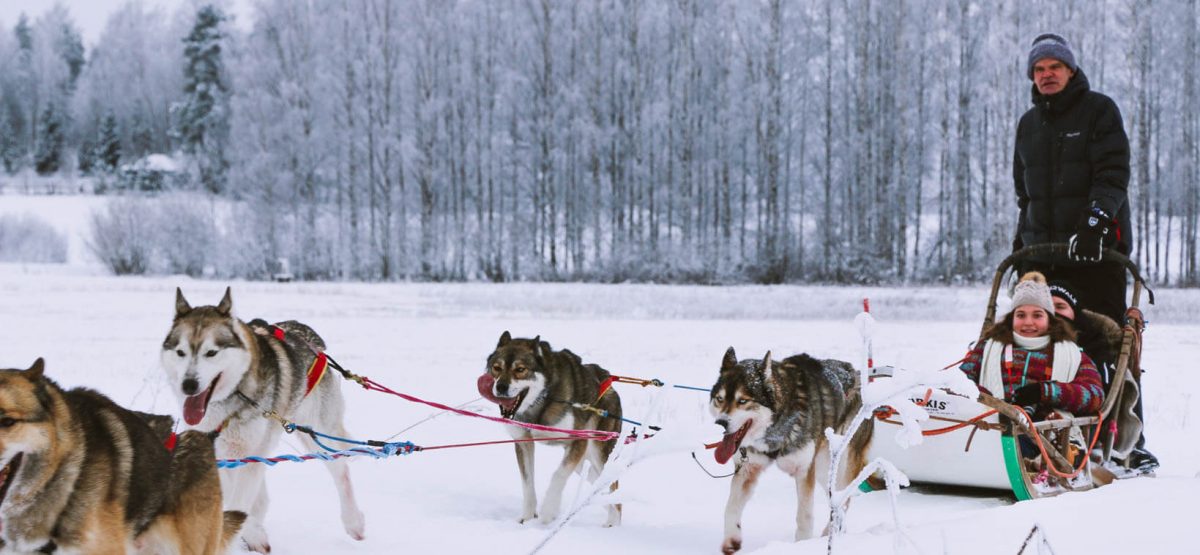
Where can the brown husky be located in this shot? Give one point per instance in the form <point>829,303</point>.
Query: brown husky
<point>535,384</point>
<point>777,412</point>
<point>83,475</point>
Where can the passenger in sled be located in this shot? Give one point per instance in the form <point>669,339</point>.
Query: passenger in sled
<point>1100,337</point>
<point>1031,360</point>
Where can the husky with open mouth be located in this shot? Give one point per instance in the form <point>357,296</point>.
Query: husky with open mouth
<point>227,373</point>
<point>80,474</point>
<point>776,412</point>
<point>535,384</point>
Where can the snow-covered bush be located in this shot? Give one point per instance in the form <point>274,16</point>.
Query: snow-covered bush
<point>122,237</point>
<point>26,238</point>
<point>185,237</point>
<point>174,234</point>
<point>246,245</point>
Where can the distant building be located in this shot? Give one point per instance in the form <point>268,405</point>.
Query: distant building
<point>154,172</point>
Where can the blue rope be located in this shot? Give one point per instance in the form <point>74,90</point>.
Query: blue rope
<point>317,435</point>
<point>605,414</point>
<point>659,383</point>
<point>387,450</point>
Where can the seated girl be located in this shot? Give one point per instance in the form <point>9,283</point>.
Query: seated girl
<point>1030,359</point>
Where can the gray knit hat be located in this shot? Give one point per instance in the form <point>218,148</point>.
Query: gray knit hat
<point>1050,45</point>
<point>1032,290</point>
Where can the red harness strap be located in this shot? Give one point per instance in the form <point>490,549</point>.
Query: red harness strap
<point>171,441</point>
<point>605,385</point>
<point>316,370</point>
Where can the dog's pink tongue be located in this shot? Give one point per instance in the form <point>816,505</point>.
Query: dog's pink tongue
<point>194,407</point>
<point>485,383</point>
<point>730,443</point>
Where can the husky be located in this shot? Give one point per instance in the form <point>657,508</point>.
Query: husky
<point>84,475</point>
<point>533,383</point>
<point>228,373</point>
<point>777,412</point>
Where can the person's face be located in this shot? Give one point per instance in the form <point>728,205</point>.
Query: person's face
<point>1063,309</point>
<point>1030,321</point>
<point>1051,75</point>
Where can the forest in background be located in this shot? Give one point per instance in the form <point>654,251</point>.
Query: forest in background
<point>700,141</point>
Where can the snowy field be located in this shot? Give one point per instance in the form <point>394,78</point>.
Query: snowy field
<point>430,340</point>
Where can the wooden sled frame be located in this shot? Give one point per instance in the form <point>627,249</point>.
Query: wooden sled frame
<point>1128,362</point>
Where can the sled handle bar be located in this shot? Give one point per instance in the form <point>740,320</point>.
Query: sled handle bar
<point>1059,250</point>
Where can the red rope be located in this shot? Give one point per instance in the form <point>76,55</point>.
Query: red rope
<point>1046,458</point>
<point>498,442</point>
<point>957,362</point>
<point>596,435</point>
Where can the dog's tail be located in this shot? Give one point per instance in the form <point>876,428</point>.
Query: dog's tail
<point>231,524</point>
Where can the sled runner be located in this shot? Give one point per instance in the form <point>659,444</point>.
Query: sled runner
<point>977,442</point>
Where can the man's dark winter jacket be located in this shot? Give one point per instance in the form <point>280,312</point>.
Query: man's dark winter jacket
<point>1071,152</point>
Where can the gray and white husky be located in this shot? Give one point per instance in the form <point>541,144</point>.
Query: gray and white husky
<point>227,374</point>
<point>777,413</point>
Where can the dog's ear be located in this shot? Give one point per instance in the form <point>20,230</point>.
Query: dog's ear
<point>771,378</point>
<point>226,302</point>
<point>537,347</point>
<point>730,360</point>
<point>504,339</point>
<point>36,371</point>
<point>181,305</point>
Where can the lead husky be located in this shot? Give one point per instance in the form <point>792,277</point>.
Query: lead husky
<point>83,475</point>
<point>228,374</point>
<point>777,413</point>
<point>535,384</point>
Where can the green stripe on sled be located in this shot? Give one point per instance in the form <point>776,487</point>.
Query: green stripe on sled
<point>1015,467</point>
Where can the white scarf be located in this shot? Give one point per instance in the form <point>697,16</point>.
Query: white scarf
<point>1064,366</point>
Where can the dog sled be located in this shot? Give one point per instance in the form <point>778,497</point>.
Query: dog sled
<point>977,442</point>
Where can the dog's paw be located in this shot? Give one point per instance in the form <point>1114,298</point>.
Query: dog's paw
<point>614,516</point>
<point>526,518</point>
<point>255,537</point>
<point>355,524</point>
<point>548,517</point>
<point>264,548</point>
<point>731,545</point>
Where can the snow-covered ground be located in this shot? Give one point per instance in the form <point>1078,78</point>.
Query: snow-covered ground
<point>430,340</point>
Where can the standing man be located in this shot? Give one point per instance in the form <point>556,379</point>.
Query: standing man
<point>1071,171</point>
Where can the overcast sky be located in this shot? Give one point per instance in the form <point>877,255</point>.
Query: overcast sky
<point>91,15</point>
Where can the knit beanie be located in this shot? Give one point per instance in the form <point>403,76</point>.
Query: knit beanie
<point>1032,290</point>
<point>1050,45</point>
<point>1062,290</point>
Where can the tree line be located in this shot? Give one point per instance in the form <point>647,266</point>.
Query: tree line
<point>706,141</point>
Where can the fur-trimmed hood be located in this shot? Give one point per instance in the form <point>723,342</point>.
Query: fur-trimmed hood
<point>1107,327</point>
<point>1099,336</point>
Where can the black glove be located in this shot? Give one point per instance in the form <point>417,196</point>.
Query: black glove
<point>1029,396</point>
<point>1087,245</point>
